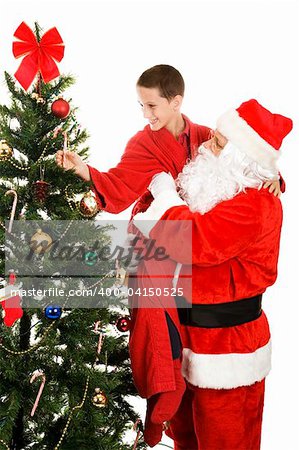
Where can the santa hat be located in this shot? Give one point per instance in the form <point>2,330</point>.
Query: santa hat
<point>255,131</point>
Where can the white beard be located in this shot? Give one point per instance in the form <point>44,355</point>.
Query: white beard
<point>209,179</point>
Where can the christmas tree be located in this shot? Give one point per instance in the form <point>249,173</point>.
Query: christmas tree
<point>74,357</point>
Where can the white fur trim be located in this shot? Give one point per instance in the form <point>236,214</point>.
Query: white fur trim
<point>226,371</point>
<point>164,201</point>
<point>237,130</point>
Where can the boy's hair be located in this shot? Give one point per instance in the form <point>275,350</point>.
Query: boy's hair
<point>166,78</point>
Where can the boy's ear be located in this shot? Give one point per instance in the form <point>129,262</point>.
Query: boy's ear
<point>177,102</point>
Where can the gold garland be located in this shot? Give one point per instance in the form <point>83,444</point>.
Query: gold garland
<point>15,236</point>
<point>66,230</point>
<point>27,167</point>
<point>29,350</point>
<point>77,407</point>
<point>5,445</point>
<point>68,198</point>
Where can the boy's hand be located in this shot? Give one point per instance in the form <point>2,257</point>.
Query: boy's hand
<point>71,160</point>
<point>274,187</point>
<point>68,160</point>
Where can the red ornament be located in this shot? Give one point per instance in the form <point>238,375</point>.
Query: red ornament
<point>88,206</point>
<point>60,108</point>
<point>123,324</point>
<point>12,277</point>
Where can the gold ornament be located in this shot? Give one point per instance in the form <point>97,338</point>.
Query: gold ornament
<point>40,242</point>
<point>88,205</point>
<point>99,399</point>
<point>35,96</point>
<point>5,150</point>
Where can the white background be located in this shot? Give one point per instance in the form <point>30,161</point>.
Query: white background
<point>227,52</point>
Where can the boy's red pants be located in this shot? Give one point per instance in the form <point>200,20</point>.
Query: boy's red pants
<point>219,419</point>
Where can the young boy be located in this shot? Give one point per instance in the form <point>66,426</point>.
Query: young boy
<point>163,145</point>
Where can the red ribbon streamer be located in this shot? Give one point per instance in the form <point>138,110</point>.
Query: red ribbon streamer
<point>39,56</point>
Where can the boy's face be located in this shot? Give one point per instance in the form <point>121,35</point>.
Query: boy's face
<point>159,111</point>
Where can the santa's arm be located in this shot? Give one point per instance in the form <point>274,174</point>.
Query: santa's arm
<point>217,236</point>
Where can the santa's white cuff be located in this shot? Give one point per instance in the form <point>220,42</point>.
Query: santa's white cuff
<point>164,201</point>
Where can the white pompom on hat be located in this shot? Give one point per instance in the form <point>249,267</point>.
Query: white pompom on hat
<point>255,131</point>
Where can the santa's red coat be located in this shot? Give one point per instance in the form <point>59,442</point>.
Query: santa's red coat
<point>146,154</point>
<point>235,249</point>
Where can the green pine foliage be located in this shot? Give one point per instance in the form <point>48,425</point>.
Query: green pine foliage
<point>64,349</point>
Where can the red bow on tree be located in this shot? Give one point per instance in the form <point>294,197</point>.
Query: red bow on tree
<point>39,55</point>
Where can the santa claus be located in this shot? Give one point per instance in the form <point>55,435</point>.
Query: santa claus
<point>236,226</point>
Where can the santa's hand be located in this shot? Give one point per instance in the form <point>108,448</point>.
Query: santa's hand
<point>274,187</point>
<point>162,182</point>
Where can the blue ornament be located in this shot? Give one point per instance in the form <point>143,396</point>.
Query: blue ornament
<point>53,312</point>
<point>90,258</point>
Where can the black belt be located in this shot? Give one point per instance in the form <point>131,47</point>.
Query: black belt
<point>219,315</point>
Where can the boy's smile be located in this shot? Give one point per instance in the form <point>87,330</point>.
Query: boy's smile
<point>159,111</point>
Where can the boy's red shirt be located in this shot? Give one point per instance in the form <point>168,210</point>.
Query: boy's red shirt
<point>146,154</point>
